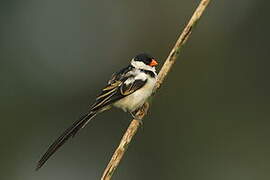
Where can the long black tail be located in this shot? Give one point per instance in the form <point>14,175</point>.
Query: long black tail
<point>70,132</point>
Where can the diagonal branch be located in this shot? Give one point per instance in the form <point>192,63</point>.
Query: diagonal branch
<point>135,123</point>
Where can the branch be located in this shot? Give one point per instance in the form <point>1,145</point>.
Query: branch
<point>135,123</point>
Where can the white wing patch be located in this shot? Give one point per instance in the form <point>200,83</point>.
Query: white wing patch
<point>137,75</point>
<point>129,80</point>
<point>138,98</point>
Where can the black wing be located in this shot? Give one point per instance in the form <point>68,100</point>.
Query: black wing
<point>115,90</point>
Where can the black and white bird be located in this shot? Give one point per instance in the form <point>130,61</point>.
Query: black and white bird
<point>127,89</point>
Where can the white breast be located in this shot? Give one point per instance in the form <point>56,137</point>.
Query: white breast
<point>137,99</point>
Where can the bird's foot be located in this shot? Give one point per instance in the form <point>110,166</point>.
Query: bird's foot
<point>140,112</point>
<point>136,117</point>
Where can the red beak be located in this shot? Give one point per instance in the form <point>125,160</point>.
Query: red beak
<point>153,63</point>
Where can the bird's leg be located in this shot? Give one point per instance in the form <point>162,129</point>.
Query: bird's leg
<point>138,113</point>
<point>133,114</point>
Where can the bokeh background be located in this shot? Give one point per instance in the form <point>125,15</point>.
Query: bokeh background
<point>210,119</point>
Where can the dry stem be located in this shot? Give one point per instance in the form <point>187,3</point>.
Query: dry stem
<point>134,125</point>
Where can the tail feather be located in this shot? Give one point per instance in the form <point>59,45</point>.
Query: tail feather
<point>70,132</point>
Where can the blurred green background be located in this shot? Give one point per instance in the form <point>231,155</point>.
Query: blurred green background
<point>209,121</point>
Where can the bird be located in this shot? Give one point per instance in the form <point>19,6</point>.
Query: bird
<point>127,89</point>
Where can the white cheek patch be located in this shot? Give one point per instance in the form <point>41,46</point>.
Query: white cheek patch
<point>141,65</point>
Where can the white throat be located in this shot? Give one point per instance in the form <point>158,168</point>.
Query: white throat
<point>141,65</point>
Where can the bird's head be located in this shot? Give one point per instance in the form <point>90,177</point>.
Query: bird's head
<point>144,61</point>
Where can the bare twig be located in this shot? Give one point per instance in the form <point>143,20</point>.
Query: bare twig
<point>134,125</point>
